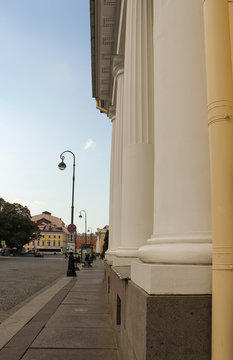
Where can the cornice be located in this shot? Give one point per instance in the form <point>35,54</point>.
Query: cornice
<point>105,15</point>
<point>118,65</point>
<point>112,113</point>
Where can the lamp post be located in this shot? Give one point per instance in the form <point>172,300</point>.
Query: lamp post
<point>62,166</point>
<point>80,215</point>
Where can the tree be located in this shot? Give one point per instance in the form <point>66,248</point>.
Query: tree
<point>16,226</point>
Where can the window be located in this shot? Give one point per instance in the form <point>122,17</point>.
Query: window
<point>118,314</point>
<point>54,243</point>
<point>42,243</point>
<point>38,243</point>
<point>49,242</point>
<point>54,236</point>
<point>59,243</point>
<point>59,236</point>
<point>49,236</point>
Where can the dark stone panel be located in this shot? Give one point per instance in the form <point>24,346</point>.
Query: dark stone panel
<point>176,327</point>
<point>179,325</point>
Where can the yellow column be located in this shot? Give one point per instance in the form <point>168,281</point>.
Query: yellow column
<point>220,107</point>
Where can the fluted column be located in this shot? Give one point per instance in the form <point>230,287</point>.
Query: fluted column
<point>112,116</point>
<point>138,150</point>
<point>177,257</point>
<point>116,162</point>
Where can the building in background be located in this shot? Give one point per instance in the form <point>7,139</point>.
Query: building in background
<point>162,73</point>
<point>53,234</point>
<point>83,238</point>
<point>100,236</point>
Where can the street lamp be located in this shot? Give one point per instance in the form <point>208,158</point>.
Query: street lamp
<point>62,166</point>
<point>80,215</point>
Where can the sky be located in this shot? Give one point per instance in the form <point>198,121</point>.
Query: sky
<point>46,107</point>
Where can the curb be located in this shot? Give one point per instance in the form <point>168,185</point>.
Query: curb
<point>20,318</point>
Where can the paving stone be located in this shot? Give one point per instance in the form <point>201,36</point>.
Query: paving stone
<point>74,338</point>
<point>84,298</point>
<point>25,336</point>
<point>12,353</point>
<point>89,288</point>
<point>90,308</point>
<point>69,317</point>
<point>75,324</point>
<point>23,277</point>
<point>61,354</point>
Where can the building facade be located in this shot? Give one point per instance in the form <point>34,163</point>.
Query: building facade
<point>162,73</point>
<point>100,236</point>
<point>54,235</point>
<point>83,238</point>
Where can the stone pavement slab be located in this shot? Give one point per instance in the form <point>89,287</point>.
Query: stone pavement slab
<point>83,281</point>
<point>91,288</point>
<point>19,319</point>
<point>75,338</point>
<point>90,308</point>
<point>79,297</point>
<point>76,323</point>
<point>70,316</point>
<point>23,277</point>
<point>61,354</point>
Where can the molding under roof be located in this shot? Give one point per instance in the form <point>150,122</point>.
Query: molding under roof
<point>105,15</point>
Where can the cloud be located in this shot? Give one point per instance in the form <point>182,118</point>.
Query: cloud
<point>89,144</point>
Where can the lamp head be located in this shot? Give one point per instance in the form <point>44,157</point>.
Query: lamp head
<point>62,165</point>
<point>80,216</point>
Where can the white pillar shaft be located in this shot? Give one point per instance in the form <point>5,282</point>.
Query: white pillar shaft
<point>137,181</point>
<point>116,166</point>
<point>117,192</point>
<point>182,215</point>
<point>112,174</point>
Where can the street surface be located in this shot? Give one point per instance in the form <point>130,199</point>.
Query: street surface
<point>23,277</point>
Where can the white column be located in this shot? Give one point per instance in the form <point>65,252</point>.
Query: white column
<point>138,150</point>
<point>177,257</point>
<point>116,163</point>
<point>112,116</point>
<point>118,71</point>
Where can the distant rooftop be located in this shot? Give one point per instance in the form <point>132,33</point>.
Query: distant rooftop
<point>49,222</point>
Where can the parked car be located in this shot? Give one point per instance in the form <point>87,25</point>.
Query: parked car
<point>30,252</point>
<point>38,254</point>
<point>23,252</point>
<point>6,251</point>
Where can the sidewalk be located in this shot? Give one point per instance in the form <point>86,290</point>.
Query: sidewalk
<point>74,324</point>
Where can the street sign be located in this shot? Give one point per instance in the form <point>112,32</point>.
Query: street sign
<point>71,228</point>
<point>3,242</point>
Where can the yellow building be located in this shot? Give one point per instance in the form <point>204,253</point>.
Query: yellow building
<point>100,234</point>
<point>53,234</point>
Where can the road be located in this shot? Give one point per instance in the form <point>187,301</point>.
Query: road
<point>23,277</point>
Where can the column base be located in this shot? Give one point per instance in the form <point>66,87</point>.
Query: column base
<point>125,256</point>
<point>123,261</point>
<point>109,256</point>
<point>172,279</point>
